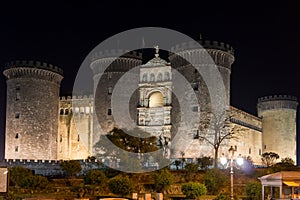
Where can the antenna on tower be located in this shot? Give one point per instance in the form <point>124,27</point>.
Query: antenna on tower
<point>200,36</point>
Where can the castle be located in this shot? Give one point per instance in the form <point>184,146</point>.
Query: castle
<point>42,125</point>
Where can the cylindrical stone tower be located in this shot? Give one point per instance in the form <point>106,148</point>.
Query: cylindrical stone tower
<point>212,54</point>
<point>104,85</point>
<point>220,53</point>
<point>32,110</point>
<point>278,115</point>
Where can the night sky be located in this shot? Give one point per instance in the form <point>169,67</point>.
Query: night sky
<point>265,37</point>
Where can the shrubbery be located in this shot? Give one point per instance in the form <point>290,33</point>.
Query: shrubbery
<point>193,190</point>
<point>121,185</point>
<point>214,181</point>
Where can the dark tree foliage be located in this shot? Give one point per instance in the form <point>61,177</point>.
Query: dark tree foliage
<point>123,142</point>
<point>121,185</point>
<point>35,182</point>
<point>253,191</point>
<point>18,174</point>
<point>193,190</point>
<point>162,179</point>
<point>214,181</point>
<point>191,167</point>
<point>205,162</point>
<point>286,164</point>
<point>95,177</point>
<point>71,167</point>
<point>142,143</point>
<point>269,158</point>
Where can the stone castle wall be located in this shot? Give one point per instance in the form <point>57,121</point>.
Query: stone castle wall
<point>248,140</point>
<point>75,127</point>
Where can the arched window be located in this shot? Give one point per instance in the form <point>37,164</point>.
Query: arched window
<point>159,77</point>
<point>61,112</point>
<point>152,77</point>
<point>145,77</point>
<point>66,111</point>
<point>156,100</point>
<point>167,76</point>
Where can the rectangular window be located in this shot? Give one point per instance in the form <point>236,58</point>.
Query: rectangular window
<point>109,111</point>
<point>17,115</point>
<point>195,109</point>
<point>249,150</point>
<point>17,87</point>
<point>259,152</point>
<point>109,90</point>
<point>265,146</point>
<point>16,148</point>
<point>18,96</point>
<point>235,147</point>
<point>196,134</point>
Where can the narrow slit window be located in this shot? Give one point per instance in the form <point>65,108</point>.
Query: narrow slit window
<point>18,96</point>
<point>109,111</point>
<point>17,135</point>
<point>17,115</point>
<point>16,148</point>
<point>109,90</point>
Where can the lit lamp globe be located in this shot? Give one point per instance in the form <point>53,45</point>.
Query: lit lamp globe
<point>240,160</point>
<point>223,160</point>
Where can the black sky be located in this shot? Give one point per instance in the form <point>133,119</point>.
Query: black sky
<point>265,37</point>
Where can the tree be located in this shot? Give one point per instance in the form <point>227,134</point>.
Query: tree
<point>205,162</point>
<point>18,174</point>
<point>71,167</point>
<point>286,164</point>
<point>214,181</point>
<point>95,177</point>
<point>121,185</point>
<point>35,182</point>
<point>269,158</point>
<point>193,190</point>
<point>163,179</point>
<point>177,163</point>
<point>126,142</point>
<point>253,191</point>
<point>191,167</point>
<point>215,129</point>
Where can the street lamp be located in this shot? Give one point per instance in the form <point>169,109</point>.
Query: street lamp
<point>239,161</point>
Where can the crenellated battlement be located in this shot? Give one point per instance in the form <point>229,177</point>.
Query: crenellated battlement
<point>79,97</point>
<point>116,53</point>
<point>277,102</point>
<point>35,64</point>
<point>207,44</point>
<point>277,98</point>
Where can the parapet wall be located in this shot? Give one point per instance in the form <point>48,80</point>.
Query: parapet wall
<point>50,167</point>
<point>116,53</point>
<point>277,102</point>
<point>36,64</point>
<point>207,44</point>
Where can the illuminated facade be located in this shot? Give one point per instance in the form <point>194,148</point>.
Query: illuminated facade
<point>40,125</point>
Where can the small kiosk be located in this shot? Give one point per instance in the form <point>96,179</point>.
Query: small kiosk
<point>281,185</point>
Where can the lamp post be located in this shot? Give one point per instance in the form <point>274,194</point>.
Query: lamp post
<point>239,161</point>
